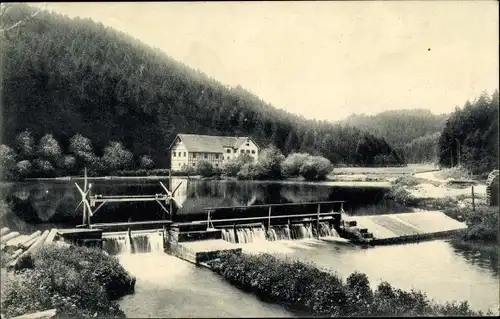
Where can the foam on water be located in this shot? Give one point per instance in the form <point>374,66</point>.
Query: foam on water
<point>138,243</point>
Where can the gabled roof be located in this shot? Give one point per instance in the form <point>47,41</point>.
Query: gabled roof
<point>209,143</point>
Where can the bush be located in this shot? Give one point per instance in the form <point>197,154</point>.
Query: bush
<point>268,165</point>
<point>247,171</point>
<point>481,224</point>
<point>204,168</point>
<point>234,165</point>
<point>406,181</point>
<point>78,281</point>
<point>43,168</point>
<point>146,162</point>
<point>305,287</point>
<point>116,157</point>
<point>292,164</point>
<point>316,168</point>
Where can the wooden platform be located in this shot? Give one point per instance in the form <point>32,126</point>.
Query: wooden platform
<point>132,225</point>
<point>394,228</point>
<point>203,250</point>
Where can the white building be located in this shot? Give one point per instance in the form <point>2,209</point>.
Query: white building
<point>188,149</point>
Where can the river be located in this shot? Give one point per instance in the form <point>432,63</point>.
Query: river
<point>168,287</point>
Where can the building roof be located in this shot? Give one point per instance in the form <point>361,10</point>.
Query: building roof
<point>210,143</point>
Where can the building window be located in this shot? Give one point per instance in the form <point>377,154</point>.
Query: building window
<point>253,151</point>
<point>216,165</point>
<point>248,144</point>
<point>206,156</point>
<point>193,164</point>
<point>184,154</point>
<point>248,151</point>
<point>194,155</point>
<point>228,151</point>
<point>174,154</point>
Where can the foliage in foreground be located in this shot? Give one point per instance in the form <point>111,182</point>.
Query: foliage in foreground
<point>78,281</point>
<point>305,287</point>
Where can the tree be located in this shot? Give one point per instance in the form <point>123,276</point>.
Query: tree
<point>24,168</point>
<point>233,165</point>
<point>116,157</point>
<point>43,168</point>
<point>7,163</point>
<point>81,148</point>
<point>25,144</point>
<point>269,163</point>
<point>146,162</point>
<point>48,148</point>
<point>470,136</point>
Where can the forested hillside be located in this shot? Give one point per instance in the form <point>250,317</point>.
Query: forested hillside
<point>65,76</point>
<point>470,136</point>
<point>412,132</point>
<point>399,127</point>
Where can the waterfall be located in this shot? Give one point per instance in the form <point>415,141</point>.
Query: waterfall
<point>277,232</point>
<point>301,231</point>
<point>141,243</point>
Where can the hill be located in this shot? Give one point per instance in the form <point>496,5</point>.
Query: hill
<point>412,132</point>
<point>399,127</point>
<point>65,76</point>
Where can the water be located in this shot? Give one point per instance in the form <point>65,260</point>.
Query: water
<point>256,234</point>
<point>444,270</point>
<point>168,287</point>
<point>55,202</point>
<point>138,243</point>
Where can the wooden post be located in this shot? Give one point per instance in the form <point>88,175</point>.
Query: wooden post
<point>269,219</point>
<point>208,220</point>
<point>317,222</point>
<point>473,200</point>
<point>170,187</point>
<point>235,233</point>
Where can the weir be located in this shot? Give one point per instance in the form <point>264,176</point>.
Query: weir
<point>225,228</point>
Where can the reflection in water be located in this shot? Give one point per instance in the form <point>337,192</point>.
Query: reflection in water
<point>56,201</point>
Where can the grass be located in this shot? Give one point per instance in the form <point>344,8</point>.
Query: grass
<point>77,281</point>
<point>305,288</point>
<point>409,169</point>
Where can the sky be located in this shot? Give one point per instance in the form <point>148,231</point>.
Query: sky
<point>324,60</point>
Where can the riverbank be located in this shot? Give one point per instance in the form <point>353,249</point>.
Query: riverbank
<point>306,288</point>
<point>437,191</point>
<point>77,281</point>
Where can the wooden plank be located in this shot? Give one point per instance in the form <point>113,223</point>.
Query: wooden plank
<point>149,222</point>
<point>275,205</point>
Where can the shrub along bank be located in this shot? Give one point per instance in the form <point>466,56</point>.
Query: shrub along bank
<point>77,281</point>
<point>304,287</point>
